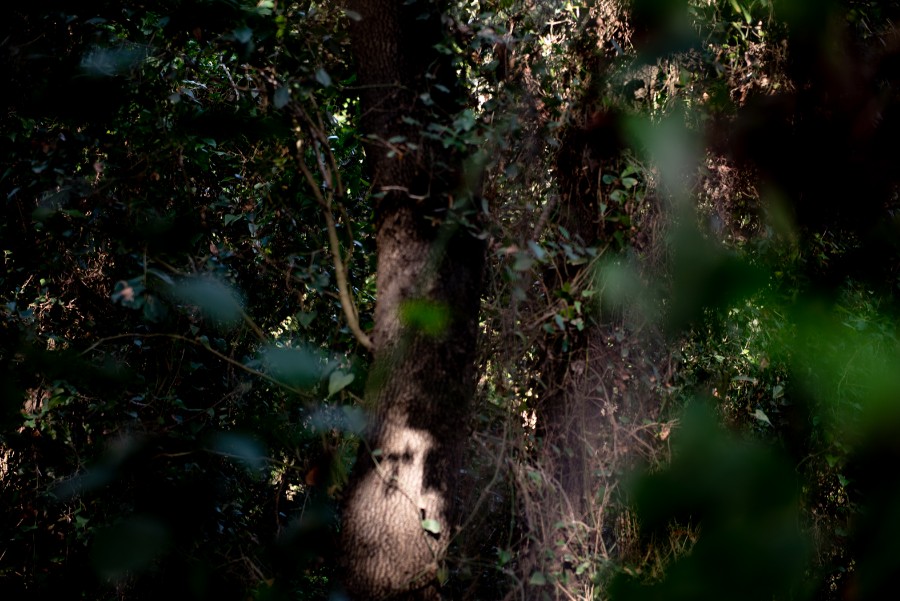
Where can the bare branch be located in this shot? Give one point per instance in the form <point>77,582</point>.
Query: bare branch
<point>340,268</point>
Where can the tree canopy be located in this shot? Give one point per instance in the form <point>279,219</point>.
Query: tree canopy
<point>466,300</point>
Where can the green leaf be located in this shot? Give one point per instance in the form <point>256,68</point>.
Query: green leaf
<point>432,526</point>
<point>241,448</point>
<point>427,316</point>
<point>539,253</point>
<point>523,262</point>
<point>297,367</point>
<point>243,34</point>
<point>761,416</point>
<point>618,196</point>
<point>537,579</point>
<point>560,322</point>
<point>465,121</point>
<point>281,97</point>
<point>338,380</point>
<point>354,419</point>
<point>443,574</point>
<point>109,62</point>
<point>215,299</point>
<point>265,7</point>
<point>323,77</point>
<point>306,318</point>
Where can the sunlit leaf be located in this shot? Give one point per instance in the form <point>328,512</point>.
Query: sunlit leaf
<point>432,526</point>
<point>761,416</point>
<point>338,380</point>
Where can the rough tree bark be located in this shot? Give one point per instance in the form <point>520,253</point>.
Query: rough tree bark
<point>428,281</point>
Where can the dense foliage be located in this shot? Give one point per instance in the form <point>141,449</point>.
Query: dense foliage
<point>687,363</point>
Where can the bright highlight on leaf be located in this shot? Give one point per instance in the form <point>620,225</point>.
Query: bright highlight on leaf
<point>338,380</point>
<point>761,416</point>
<point>432,526</point>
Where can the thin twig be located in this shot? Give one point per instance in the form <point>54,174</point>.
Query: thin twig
<point>340,268</point>
<point>221,356</point>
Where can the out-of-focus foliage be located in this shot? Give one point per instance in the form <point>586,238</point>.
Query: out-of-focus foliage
<point>686,203</point>
<point>171,338</point>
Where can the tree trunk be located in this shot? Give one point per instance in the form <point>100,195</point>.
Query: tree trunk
<point>398,515</point>
<point>563,414</point>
